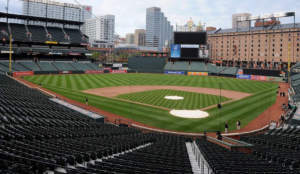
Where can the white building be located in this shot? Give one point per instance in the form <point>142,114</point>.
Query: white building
<point>56,10</point>
<point>243,24</point>
<point>101,30</point>
<point>130,38</point>
<point>158,28</point>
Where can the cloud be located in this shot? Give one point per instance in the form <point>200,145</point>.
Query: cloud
<point>131,14</point>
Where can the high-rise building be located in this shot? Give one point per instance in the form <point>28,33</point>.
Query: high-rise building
<point>130,38</point>
<point>242,24</point>
<point>158,28</point>
<point>139,37</point>
<point>101,30</point>
<point>56,10</point>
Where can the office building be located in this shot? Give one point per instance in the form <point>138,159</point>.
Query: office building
<point>240,24</point>
<point>101,31</point>
<point>130,38</point>
<point>56,10</point>
<point>158,28</point>
<point>139,37</point>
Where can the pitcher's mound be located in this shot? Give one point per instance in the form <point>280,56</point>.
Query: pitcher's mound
<point>189,113</point>
<point>174,98</point>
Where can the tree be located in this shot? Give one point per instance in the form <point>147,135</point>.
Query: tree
<point>136,54</point>
<point>95,55</point>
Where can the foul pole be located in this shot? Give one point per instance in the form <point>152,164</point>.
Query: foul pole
<point>289,64</point>
<point>10,38</point>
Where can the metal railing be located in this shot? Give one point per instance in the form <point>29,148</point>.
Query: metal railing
<point>202,163</point>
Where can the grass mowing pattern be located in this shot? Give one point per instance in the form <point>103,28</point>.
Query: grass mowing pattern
<point>191,100</point>
<point>245,109</point>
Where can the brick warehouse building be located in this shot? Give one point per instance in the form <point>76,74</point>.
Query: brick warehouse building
<point>254,45</point>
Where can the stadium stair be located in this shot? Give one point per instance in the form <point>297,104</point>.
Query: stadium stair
<point>72,66</point>
<point>192,158</point>
<point>31,65</point>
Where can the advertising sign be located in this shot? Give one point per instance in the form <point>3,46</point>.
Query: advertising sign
<point>240,71</point>
<point>123,68</point>
<point>242,76</point>
<point>175,51</point>
<point>198,73</point>
<point>94,72</point>
<point>51,42</point>
<point>7,52</point>
<point>74,54</point>
<point>106,68</point>
<point>84,44</point>
<point>23,73</point>
<point>175,72</point>
<point>275,79</point>
<point>65,72</point>
<point>54,53</point>
<point>117,65</point>
<point>262,78</point>
<point>118,71</point>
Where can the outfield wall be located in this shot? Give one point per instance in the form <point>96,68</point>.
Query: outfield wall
<point>146,63</point>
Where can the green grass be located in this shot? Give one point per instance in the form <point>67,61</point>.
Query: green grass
<point>247,109</point>
<point>191,100</point>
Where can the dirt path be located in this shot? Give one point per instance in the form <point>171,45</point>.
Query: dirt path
<point>272,113</point>
<point>117,90</point>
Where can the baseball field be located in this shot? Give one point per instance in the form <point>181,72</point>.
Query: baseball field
<point>140,97</point>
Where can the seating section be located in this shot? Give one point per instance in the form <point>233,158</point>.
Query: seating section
<point>31,65</point>
<point>37,136</point>
<point>93,66</point>
<point>75,35</point>
<point>181,66</point>
<point>63,66</point>
<point>45,66</point>
<point>229,71</point>
<point>19,32</point>
<point>168,66</point>
<point>16,66</point>
<point>197,66</point>
<point>57,34</point>
<point>4,32</point>
<point>211,68</point>
<point>81,66</point>
<point>6,68</point>
<point>38,33</point>
<point>224,161</point>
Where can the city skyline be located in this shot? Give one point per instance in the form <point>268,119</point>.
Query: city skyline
<point>131,16</point>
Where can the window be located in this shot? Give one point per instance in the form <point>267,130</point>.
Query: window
<point>265,54</point>
<point>297,39</point>
<point>297,44</point>
<point>266,40</point>
<point>232,41</point>
<point>280,50</point>
<point>251,45</point>
<point>245,54</point>
<point>252,40</point>
<point>273,45</point>
<point>251,50</point>
<point>297,49</point>
<point>273,50</point>
<point>251,54</point>
<point>258,45</point>
<point>280,54</point>
<point>245,45</point>
<point>258,50</point>
<point>227,41</point>
<point>280,40</point>
<point>273,35</point>
<point>265,50</point>
<point>289,39</point>
<point>252,36</point>
<point>273,54</point>
<point>222,41</point>
<point>281,34</point>
<point>289,34</point>
<point>266,35</point>
<point>258,40</point>
<point>280,45</point>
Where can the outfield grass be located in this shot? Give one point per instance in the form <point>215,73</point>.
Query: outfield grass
<point>191,100</point>
<point>264,95</point>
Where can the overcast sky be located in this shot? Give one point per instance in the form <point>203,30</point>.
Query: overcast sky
<point>131,14</point>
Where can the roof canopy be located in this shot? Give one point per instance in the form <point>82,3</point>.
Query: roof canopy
<point>34,18</point>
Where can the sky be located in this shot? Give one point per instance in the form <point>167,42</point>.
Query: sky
<point>131,14</point>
